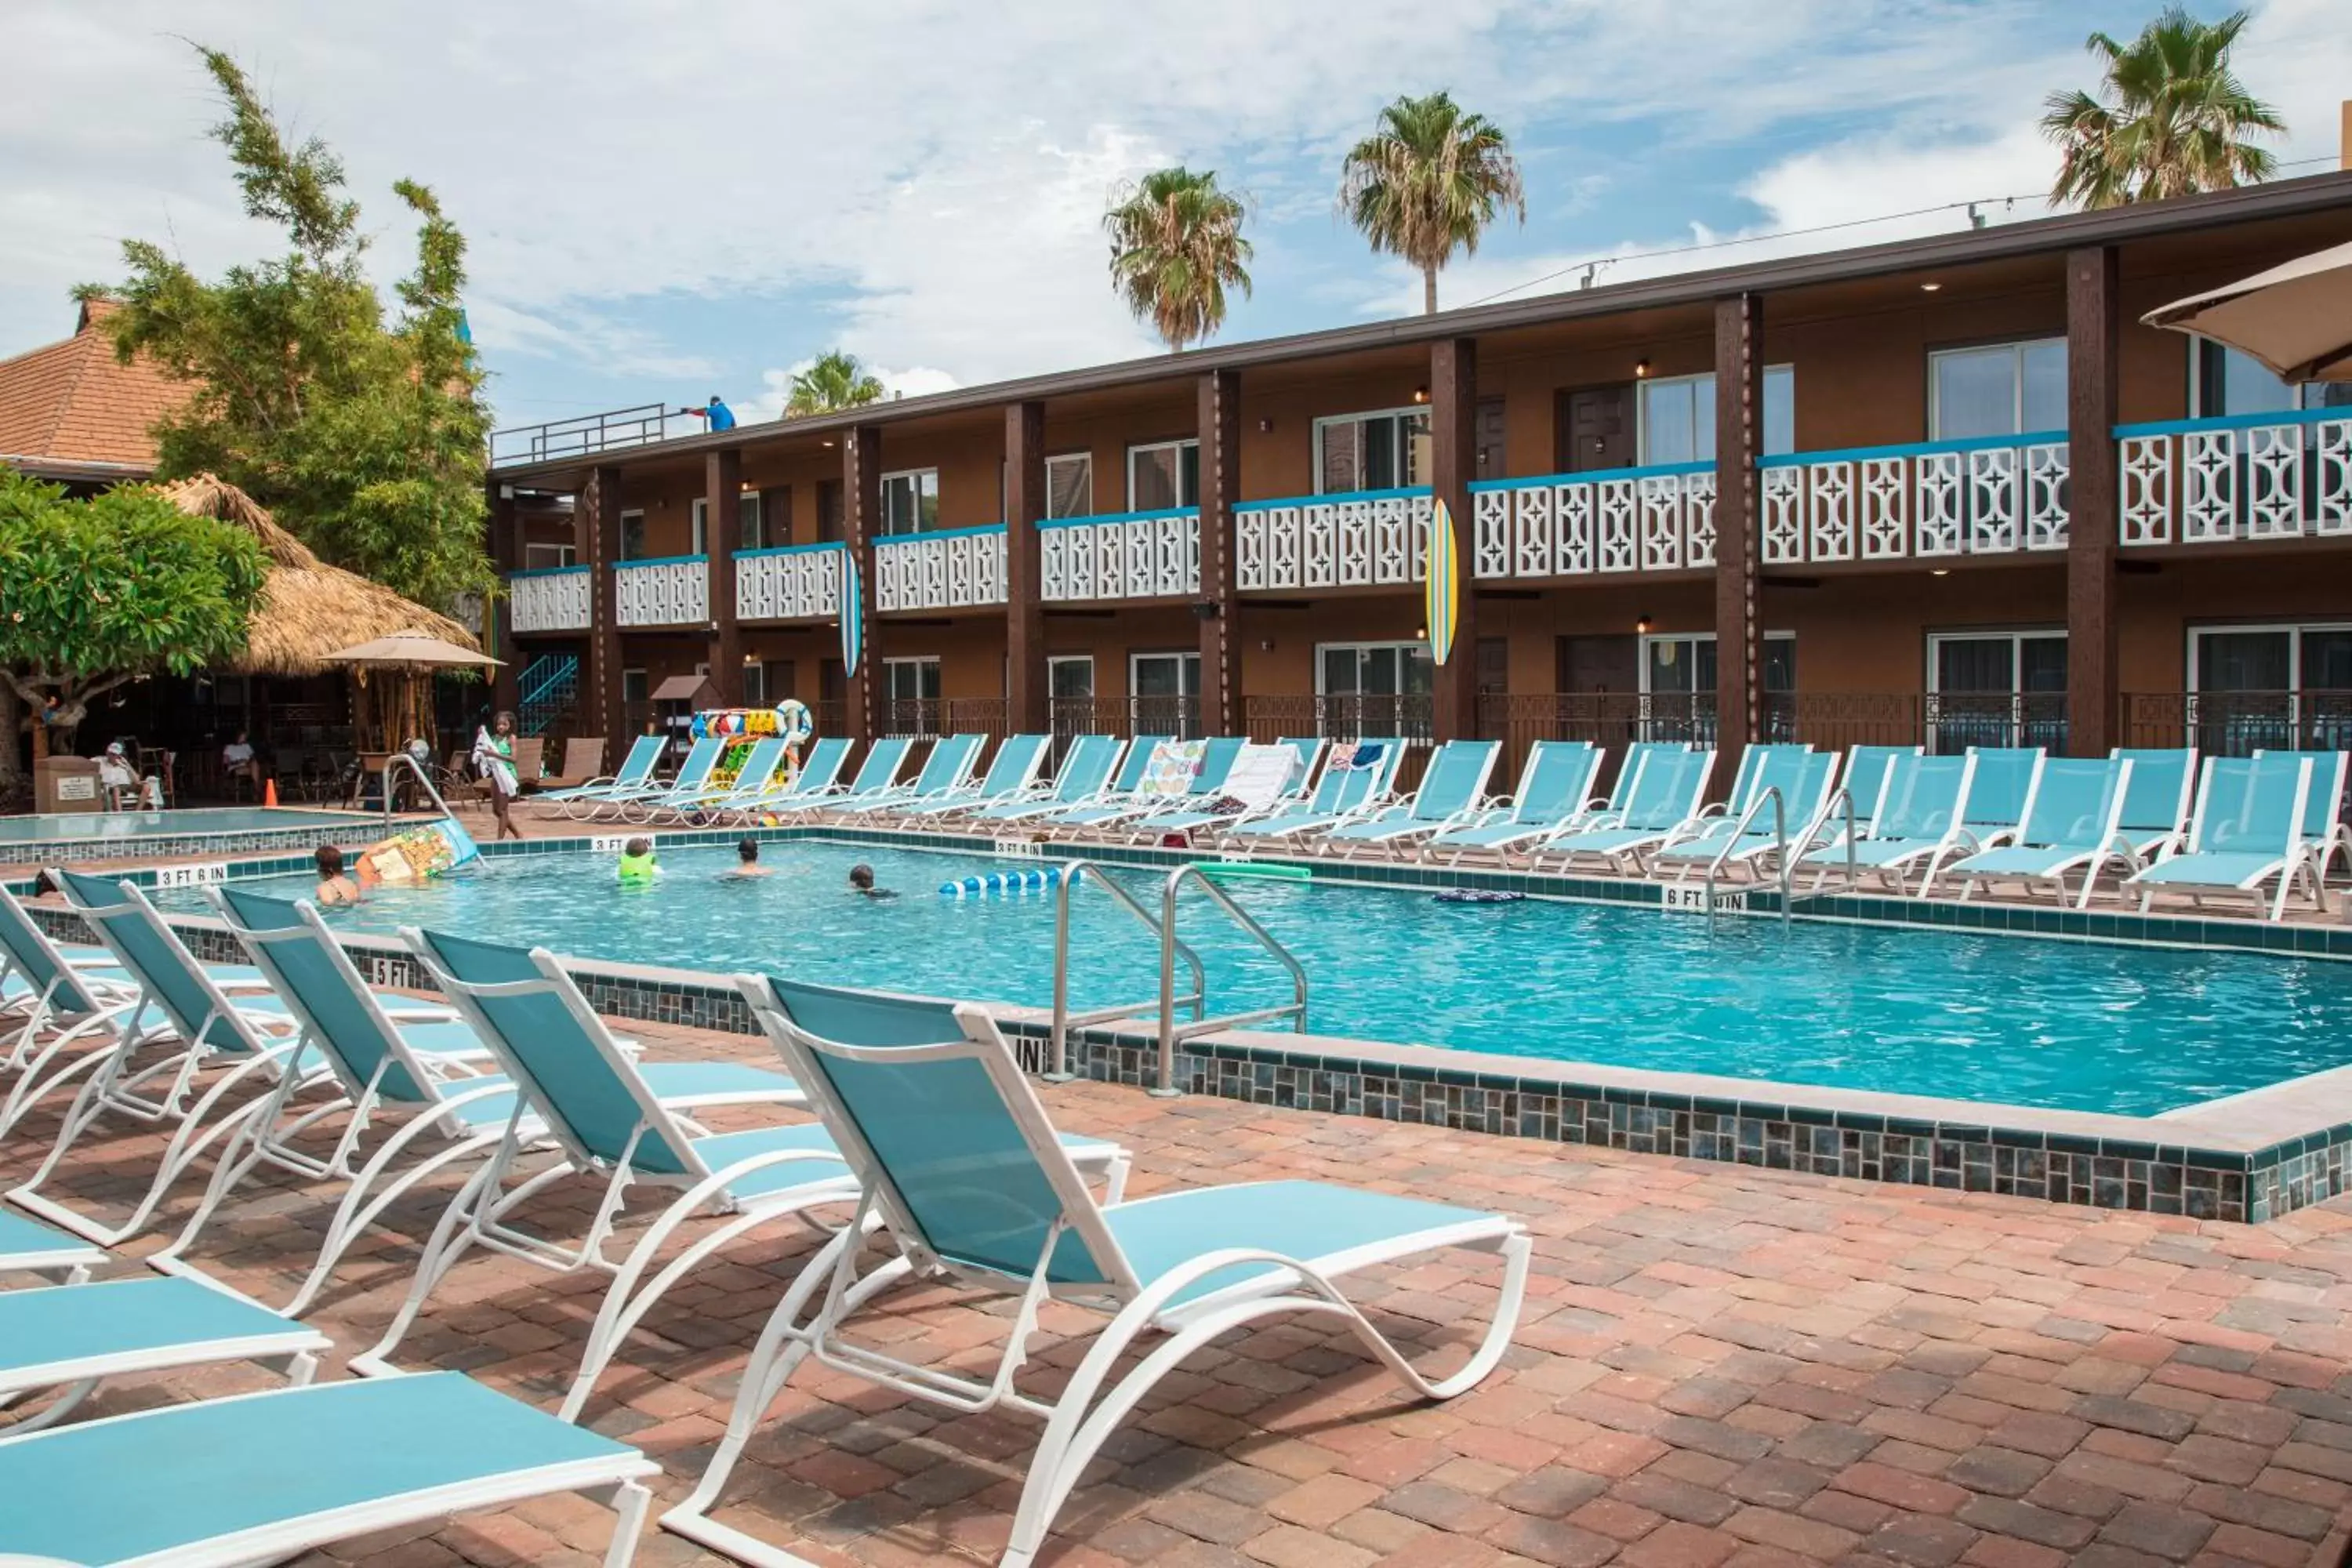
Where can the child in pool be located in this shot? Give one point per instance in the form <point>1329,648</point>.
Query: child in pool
<point>861,881</point>
<point>638,867</point>
<point>334,888</point>
<point>747,858</point>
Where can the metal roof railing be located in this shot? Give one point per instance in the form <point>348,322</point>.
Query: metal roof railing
<point>587,435</point>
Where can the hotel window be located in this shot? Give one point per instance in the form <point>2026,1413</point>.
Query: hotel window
<point>747,520</point>
<point>1996,689</point>
<point>2225,381</point>
<point>910,501</point>
<point>2283,686</point>
<point>1386,451</point>
<point>1070,485</point>
<point>633,535</point>
<point>546,557</point>
<point>634,687</point>
<point>910,689</point>
<point>2006,389</point>
<point>1163,476</point>
<point>1677,418</point>
<point>755,683</point>
<point>1677,682</point>
<point>1373,689</point>
<point>1070,676</point>
<point>1164,693</point>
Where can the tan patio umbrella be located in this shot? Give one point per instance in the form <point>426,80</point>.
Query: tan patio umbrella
<point>2296,318</point>
<point>390,711</point>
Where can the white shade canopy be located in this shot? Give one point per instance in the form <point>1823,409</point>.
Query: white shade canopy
<point>2296,318</point>
<point>409,648</point>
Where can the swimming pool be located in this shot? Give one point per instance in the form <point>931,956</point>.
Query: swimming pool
<point>2072,1026</point>
<point>59,827</point>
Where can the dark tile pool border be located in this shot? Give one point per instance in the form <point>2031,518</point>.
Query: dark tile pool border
<point>137,849</point>
<point>2167,1167</point>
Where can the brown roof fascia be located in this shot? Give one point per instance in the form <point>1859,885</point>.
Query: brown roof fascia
<point>2030,237</point>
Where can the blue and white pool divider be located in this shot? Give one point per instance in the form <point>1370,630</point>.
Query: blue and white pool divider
<point>1007,884</point>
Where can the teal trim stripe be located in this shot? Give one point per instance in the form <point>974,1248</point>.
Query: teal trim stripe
<point>2235,422</point>
<point>1914,450</point>
<point>1593,476</point>
<point>546,571</point>
<point>664,561</point>
<point>884,539</point>
<point>1335,498</point>
<point>1119,517</point>
<point>789,549</point>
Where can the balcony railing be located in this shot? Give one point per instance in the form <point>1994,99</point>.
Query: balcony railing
<point>554,599</point>
<point>1130,716</point>
<point>1658,519</point>
<point>1131,555</point>
<point>948,569</point>
<point>2240,723</point>
<point>1999,495</point>
<point>927,718</point>
<point>674,590</point>
<point>1342,718</point>
<point>1359,539</point>
<point>793,582</point>
<point>586,436</point>
<point>2254,476</point>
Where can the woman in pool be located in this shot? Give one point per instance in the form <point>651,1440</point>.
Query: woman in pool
<point>334,888</point>
<point>861,882</point>
<point>494,760</point>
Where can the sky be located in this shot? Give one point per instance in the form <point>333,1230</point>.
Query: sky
<point>663,200</point>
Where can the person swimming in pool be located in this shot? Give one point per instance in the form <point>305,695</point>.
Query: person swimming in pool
<point>861,881</point>
<point>747,863</point>
<point>334,886</point>
<point>638,867</point>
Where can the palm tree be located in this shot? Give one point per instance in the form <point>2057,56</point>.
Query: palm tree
<point>835,381</point>
<point>1176,246</point>
<point>1428,182</point>
<point>2170,120</point>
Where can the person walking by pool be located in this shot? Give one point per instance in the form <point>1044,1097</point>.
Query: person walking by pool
<point>494,760</point>
<point>861,882</point>
<point>721,417</point>
<point>638,867</point>
<point>334,886</point>
<point>747,862</point>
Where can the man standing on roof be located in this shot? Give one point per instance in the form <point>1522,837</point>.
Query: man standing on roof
<point>721,417</point>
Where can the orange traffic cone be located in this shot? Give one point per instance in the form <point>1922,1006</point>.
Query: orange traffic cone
<point>269,793</point>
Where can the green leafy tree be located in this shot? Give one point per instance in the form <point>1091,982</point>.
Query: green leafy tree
<point>1176,247</point>
<point>104,590</point>
<point>363,436</point>
<point>2169,119</point>
<point>1428,182</point>
<point>834,381</point>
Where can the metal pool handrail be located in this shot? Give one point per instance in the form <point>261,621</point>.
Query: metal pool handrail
<point>1294,1009</point>
<point>396,760</point>
<point>1057,1066</point>
<point>1779,837</point>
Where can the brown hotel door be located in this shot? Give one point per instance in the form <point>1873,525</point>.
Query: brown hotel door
<point>1592,427</point>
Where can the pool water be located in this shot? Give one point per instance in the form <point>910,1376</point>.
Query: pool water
<point>2078,1025</point>
<point>61,826</point>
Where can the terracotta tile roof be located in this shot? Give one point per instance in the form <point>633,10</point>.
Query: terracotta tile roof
<point>72,404</point>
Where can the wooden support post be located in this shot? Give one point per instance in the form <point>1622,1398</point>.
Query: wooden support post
<point>861,476</point>
<point>597,525</point>
<point>722,536</point>
<point>1739,611</point>
<point>1454,463</point>
<point>1220,606</point>
<point>1027,700</point>
<point>506,554</point>
<point>2092,330</point>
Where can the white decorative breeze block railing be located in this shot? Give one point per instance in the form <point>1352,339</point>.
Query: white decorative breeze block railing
<point>1994,496</point>
<point>1353,540</point>
<point>2248,476</point>
<point>553,599</point>
<point>793,582</point>
<point>1657,519</point>
<point>944,570</point>
<point>1133,556</point>
<point>672,592</point>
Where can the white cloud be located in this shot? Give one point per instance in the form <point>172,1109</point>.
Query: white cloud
<point>776,387</point>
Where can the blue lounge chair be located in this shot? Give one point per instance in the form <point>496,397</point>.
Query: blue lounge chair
<point>29,1246</point>
<point>691,782</point>
<point>1453,792</point>
<point>755,778</point>
<point>817,779</point>
<point>608,1125</point>
<point>2074,821</point>
<point>2249,828</point>
<point>1305,751</point>
<point>151,1076</point>
<point>954,1154</point>
<point>1010,774</point>
<point>2323,812</point>
<point>2001,788</point>
<point>263,1478</point>
<point>1123,786</point>
<point>1921,808</point>
<point>1556,783</point>
<point>1806,780</point>
<point>412,1086</point>
<point>1208,777</point>
<point>1864,784</point>
<point>945,774</point>
<point>637,772</point>
<point>1356,778</point>
<point>2157,805</point>
<point>1663,794</point>
<point>1086,773</point>
<point>876,780</point>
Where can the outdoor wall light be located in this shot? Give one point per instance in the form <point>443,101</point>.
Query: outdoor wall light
<point>1421,395</point>
<point>1265,426</point>
<point>1642,624</point>
<point>1941,571</point>
<point>1929,288</point>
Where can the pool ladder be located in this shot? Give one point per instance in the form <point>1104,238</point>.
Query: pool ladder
<point>1772,793</point>
<point>392,765</point>
<point>1168,1001</point>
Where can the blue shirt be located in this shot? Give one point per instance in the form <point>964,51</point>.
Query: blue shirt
<point>721,417</point>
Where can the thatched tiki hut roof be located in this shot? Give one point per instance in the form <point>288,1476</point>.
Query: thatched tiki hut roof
<point>308,609</point>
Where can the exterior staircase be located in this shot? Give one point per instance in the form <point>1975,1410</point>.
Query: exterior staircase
<point>547,690</point>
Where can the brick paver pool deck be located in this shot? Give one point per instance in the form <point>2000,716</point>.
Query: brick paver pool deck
<point>1717,1366</point>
